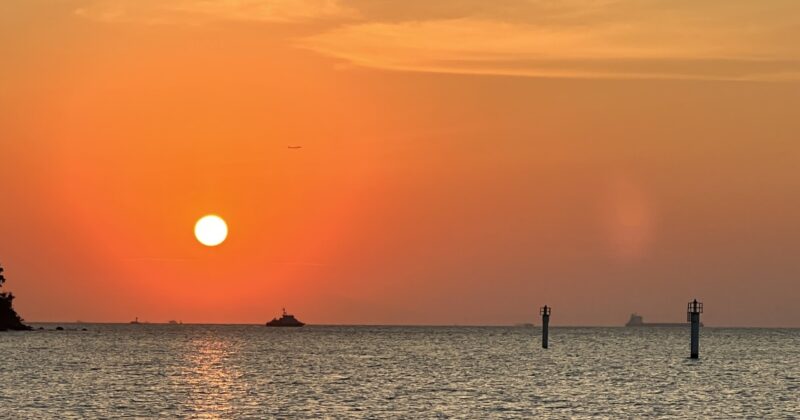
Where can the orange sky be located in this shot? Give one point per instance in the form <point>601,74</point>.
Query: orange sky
<point>463,162</point>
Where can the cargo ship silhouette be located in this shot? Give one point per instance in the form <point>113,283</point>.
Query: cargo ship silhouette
<point>637,320</point>
<point>285,321</point>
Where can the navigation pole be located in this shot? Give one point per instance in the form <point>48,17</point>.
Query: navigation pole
<point>545,313</point>
<point>693,311</point>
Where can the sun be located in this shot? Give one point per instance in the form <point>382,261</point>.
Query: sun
<point>211,230</point>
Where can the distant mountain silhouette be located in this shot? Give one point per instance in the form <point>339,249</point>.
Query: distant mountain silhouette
<point>9,320</point>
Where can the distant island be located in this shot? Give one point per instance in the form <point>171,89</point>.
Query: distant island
<point>9,320</point>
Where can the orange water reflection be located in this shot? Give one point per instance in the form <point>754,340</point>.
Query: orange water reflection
<point>210,377</point>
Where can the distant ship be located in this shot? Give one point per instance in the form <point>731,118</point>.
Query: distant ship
<point>285,321</point>
<point>136,321</point>
<point>637,320</point>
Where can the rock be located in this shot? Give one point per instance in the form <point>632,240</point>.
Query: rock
<point>59,328</point>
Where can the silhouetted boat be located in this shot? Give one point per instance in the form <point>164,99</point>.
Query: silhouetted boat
<point>637,320</point>
<point>136,321</point>
<point>285,321</point>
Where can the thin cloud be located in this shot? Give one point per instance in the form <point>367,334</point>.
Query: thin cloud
<point>194,12</point>
<point>621,39</point>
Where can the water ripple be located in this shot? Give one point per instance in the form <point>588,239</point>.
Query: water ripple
<point>200,371</point>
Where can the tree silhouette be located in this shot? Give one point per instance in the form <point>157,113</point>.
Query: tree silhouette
<point>9,320</point>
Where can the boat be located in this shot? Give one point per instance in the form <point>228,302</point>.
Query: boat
<point>136,321</point>
<point>637,320</point>
<point>286,320</point>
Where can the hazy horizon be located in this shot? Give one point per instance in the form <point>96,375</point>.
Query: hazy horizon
<point>517,325</point>
<point>462,162</point>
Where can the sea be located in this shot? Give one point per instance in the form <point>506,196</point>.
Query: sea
<point>255,372</point>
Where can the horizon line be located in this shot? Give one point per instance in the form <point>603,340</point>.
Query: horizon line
<point>519,325</point>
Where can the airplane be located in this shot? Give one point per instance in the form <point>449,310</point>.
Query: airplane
<point>295,147</point>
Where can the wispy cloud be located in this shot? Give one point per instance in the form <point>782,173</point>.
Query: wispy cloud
<point>682,39</point>
<point>159,259</point>
<point>204,11</point>
<point>585,38</point>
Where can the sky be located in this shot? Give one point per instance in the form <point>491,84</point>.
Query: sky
<point>462,161</point>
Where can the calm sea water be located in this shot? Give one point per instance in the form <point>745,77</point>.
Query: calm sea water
<point>218,371</point>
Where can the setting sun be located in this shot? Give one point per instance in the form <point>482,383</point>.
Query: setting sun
<point>420,195</point>
<point>211,230</point>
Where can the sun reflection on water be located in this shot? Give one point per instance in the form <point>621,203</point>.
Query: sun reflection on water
<point>211,377</point>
